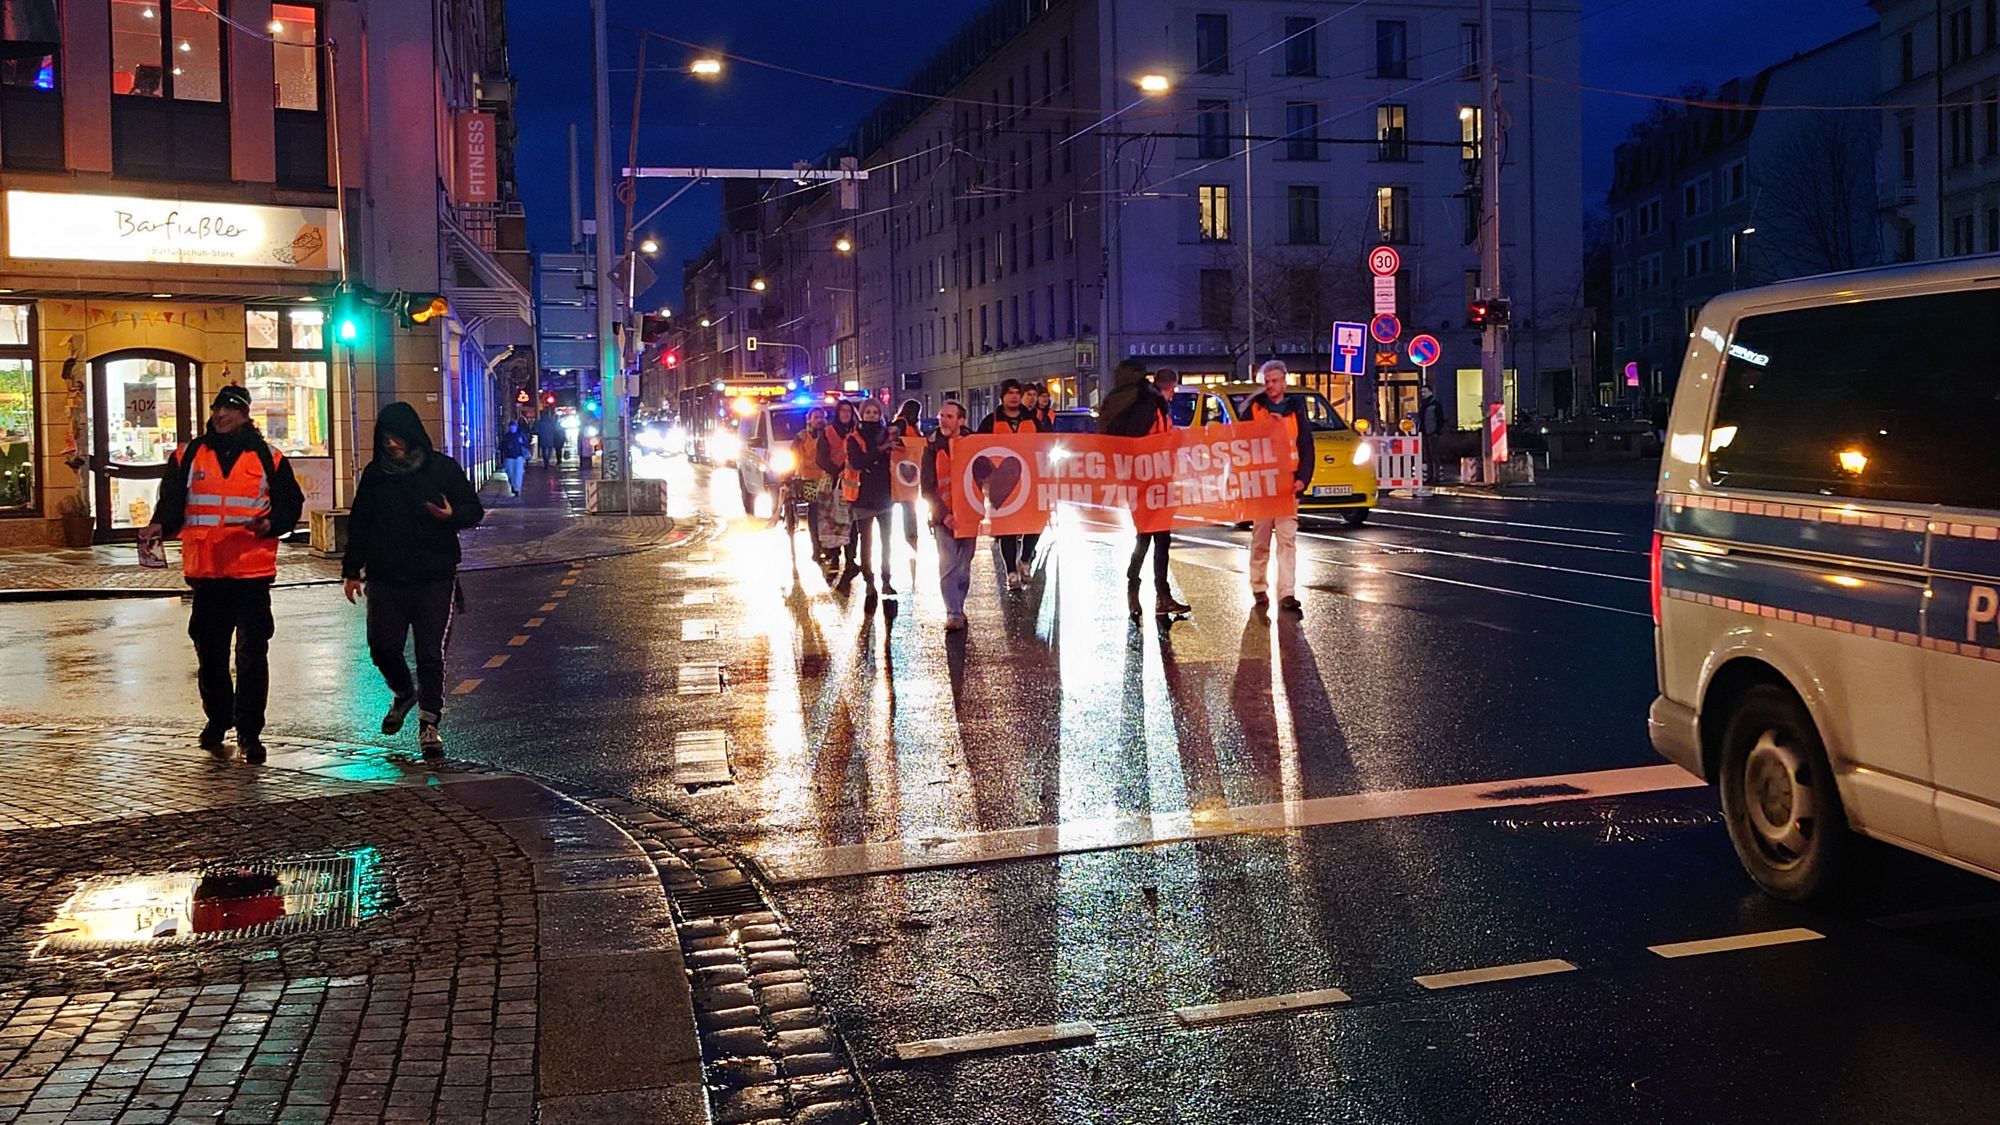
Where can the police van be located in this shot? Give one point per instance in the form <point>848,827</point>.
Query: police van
<point>1826,568</point>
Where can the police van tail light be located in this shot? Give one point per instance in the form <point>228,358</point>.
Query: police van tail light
<point>1653,569</point>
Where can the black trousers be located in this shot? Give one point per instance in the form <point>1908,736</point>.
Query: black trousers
<point>1017,549</point>
<point>1160,542</point>
<point>871,532</point>
<point>397,610</point>
<point>233,611</point>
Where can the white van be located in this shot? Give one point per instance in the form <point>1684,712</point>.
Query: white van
<point>1826,568</point>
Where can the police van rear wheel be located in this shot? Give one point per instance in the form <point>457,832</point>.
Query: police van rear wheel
<point>1356,517</point>
<point>1778,795</point>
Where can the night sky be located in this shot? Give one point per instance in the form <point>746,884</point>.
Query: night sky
<point>762,117</point>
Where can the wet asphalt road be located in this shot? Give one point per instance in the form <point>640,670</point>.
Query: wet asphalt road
<point>1458,656</point>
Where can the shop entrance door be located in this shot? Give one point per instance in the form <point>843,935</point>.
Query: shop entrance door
<point>141,407</point>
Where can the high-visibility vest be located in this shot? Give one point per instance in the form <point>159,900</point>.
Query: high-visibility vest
<point>1025,424</point>
<point>805,447</point>
<point>215,542</point>
<point>850,477</point>
<point>940,451</point>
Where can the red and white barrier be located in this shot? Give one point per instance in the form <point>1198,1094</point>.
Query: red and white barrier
<point>1399,462</point>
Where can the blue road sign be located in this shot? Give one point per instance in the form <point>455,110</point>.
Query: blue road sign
<point>1385,328</point>
<point>1350,342</point>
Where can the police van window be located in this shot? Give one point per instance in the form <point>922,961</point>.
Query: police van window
<point>1182,408</point>
<point>1879,400</point>
<point>786,424</point>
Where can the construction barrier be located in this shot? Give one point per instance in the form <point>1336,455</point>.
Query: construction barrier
<point>1399,462</point>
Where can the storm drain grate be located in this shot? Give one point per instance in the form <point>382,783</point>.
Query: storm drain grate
<point>719,902</point>
<point>1610,822</point>
<point>249,900</point>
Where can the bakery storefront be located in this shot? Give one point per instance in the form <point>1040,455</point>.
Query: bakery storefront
<point>120,317</point>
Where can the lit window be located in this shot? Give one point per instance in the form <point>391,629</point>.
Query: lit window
<point>1214,200</point>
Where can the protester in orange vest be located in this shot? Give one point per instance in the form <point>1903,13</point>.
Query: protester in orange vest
<point>1135,408</point>
<point>1274,402</point>
<point>837,528</point>
<point>1017,552</point>
<point>954,554</point>
<point>866,480</point>
<point>906,430</point>
<point>402,537</point>
<point>229,511</point>
<point>809,478</point>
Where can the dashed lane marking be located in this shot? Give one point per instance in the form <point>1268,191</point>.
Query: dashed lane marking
<point>1468,555</point>
<point>1050,1035</point>
<point>535,622</point>
<point>701,757</point>
<point>946,849</point>
<point>570,581</point>
<point>559,593</point>
<point>465,687</point>
<point>698,629</point>
<point>1200,1015</point>
<point>1502,523</point>
<point>1736,942</point>
<point>698,597</point>
<point>548,607</point>
<point>518,641</point>
<point>1493,973</point>
<point>699,679</point>
<point>701,556</point>
<point>497,661</point>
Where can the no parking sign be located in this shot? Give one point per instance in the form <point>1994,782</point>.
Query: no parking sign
<point>1424,351</point>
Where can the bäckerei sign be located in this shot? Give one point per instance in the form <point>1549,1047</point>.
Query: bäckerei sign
<point>127,228</point>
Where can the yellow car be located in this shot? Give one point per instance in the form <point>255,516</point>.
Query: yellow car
<point>1343,480</point>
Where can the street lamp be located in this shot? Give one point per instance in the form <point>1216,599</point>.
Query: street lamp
<point>1736,238</point>
<point>844,244</point>
<point>707,66</point>
<point>1155,84</point>
<point>757,285</point>
<point>650,246</point>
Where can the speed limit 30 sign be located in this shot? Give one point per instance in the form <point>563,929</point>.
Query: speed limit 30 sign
<point>1383,261</point>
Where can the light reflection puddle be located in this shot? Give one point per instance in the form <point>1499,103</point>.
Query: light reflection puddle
<point>258,899</point>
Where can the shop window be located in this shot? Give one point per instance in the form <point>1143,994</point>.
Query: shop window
<point>168,120</point>
<point>286,371</point>
<point>18,428</point>
<point>31,108</point>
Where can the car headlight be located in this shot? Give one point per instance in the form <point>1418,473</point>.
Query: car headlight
<point>724,447</point>
<point>784,461</point>
<point>1364,453</point>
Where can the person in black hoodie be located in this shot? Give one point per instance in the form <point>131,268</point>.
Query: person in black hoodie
<point>1136,408</point>
<point>867,475</point>
<point>402,539</point>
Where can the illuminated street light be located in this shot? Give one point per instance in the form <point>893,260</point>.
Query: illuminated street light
<point>707,66</point>
<point>667,313</point>
<point>844,244</point>
<point>1155,84</point>
<point>650,246</point>
<point>758,284</point>
<point>707,323</point>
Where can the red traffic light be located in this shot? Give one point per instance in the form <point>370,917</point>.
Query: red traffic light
<point>548,398</point>
<point>1488,313</point>
<point>672,359</point>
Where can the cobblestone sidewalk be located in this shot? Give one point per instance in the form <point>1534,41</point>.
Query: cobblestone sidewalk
<point>338,936</point>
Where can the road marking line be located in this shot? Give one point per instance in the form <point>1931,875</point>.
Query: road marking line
<point>701,757</point>
<point>517,642</point>
<point>497,661</point>
<point>1371,568</point>
<point>1051,1035</point>
<point>535,622</point>
<point>1198,1015</point>
<point>465,687</point>
<point>1494,559</point>
<point>699,679</point>
<point>1739,941</point>
<point>548,606</point>
<point>699,629</point>
<point>943,849</point>
<point>1495,973</point>
<point>698,597</point>
<point>1457,534</point>
<point>570,581</point>
<point>701,556</point>
<point>1502,523</point>
<point>559,593</point>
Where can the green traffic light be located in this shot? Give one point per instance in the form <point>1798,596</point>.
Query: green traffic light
<point>348,310</point>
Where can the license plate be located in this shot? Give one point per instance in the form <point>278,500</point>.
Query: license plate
<point>1333,490</point>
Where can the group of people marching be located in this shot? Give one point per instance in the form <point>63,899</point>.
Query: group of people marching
<point>846,459</point>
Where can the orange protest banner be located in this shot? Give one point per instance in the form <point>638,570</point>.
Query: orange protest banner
<point>1217,474</point>
<point>905,473</point>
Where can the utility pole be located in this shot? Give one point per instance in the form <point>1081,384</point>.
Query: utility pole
<point>1492,356</point>
<point>610,358</point>
<point>1249,221</point>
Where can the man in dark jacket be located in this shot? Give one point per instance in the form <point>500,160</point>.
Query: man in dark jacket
<point>402,537</point>
<point>1275,402</point>
<point>1430,427</point>
<point>229,510</point>
<point>1134,408</point>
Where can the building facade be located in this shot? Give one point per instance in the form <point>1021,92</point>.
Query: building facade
<point>1728,194</point>
<point>1940,79</point>
<point>186,182</point>
<point>1035,215</point>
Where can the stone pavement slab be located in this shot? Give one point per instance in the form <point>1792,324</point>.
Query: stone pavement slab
<point>414,984</point>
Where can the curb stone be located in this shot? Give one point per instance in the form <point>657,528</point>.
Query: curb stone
<point>771,1052</point>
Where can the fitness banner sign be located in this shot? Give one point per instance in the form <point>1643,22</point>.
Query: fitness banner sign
<point>1215,474</point>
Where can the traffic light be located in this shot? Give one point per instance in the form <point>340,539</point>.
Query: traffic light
<point>414,309</point>
<point>1494,312</point>
<point>750,343</point>
<point>671,359</point>
<point>350,317</point>
<point>548,398</point>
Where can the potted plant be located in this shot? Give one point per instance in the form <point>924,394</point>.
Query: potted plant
<point>76,522</point>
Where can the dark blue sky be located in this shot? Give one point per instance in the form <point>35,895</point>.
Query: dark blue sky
<point>760,117</point>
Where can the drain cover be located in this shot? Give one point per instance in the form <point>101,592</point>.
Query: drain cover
<point>1610,822</point>
<point>266,898</point>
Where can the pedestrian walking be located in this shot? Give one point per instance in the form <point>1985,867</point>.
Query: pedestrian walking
<point>549,436</point>
<point>1017,552</point>
<point>1430,428</point>
<point>837,528</point>
<point>514,442</point>
<point>907,432</point>
<point>1045,410</point>
<point>809,479</point>
<point>402,552</point>
<point>229,497</point>
<point>1134,408</point>
<point>1275,402</point>
<point>867,480</point>
<point>954,554</point>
